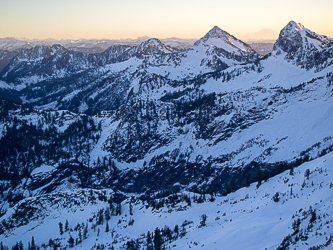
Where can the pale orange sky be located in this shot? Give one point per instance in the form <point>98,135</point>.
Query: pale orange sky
<point>115,19</point>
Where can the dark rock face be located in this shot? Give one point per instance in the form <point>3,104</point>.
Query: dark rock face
<point>303,46</point>
<point>290,40</point>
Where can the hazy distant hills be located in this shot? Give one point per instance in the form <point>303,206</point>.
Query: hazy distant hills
<point>261,41</point>
<point>264,35</point>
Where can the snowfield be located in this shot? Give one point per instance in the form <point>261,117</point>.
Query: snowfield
<point>246,219</point>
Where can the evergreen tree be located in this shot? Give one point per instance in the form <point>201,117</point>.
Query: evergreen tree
<point>66,226</point>
<point>307,173</point>
<point>107,214</point>
<point>118,209</point>
<point>107,227</point>
<point>15,247</point>
<point>85,232</point>
<point>131,221</point>
<point>130,245</point>
<point>33,245</point>
<point>167,232</point>
<point>61,228</point>
<point>183,231</point>
<point>80,236</point>
<point>130,207</point>
<point>176,230</point>
<point>313,216</point>
<point>100,217</point>
<point>157,239</point>
<point>203,220</point>
<point>276,197</point>
<point>20,245</point>
<point>149,241</point>
<point>71,241</point>
<point>291,172</point>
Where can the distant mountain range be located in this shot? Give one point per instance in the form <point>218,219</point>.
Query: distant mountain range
<point>260,39</point>
<point>88,45</point>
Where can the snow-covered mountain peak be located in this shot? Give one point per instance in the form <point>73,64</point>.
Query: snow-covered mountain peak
<point>295,35</point>
<point>154,46</point>
<point>301,45</point>
<point>219,38</point>
<point>216,32</point>
<point>294,25</point>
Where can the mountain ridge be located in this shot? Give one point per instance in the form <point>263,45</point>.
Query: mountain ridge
<point>23,70</point>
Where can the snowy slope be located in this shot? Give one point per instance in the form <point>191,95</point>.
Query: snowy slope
<point>292,105</point>
<point>247,219</point>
